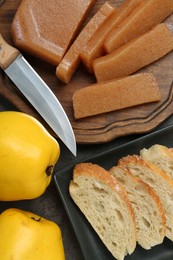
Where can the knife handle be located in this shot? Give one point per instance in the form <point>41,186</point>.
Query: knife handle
<point>7,53</point>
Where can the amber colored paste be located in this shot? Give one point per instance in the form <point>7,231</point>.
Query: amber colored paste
<point>94,47</point>
<point>46,28</point>
<point>115,94</point>
<point>135,54</point>
<point>145,16</point>
<point>71,60</point>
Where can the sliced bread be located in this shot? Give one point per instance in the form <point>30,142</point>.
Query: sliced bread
<point>106,205</point>
<point>158,180</point>
<point>148,209</point>
<point>161,156</point>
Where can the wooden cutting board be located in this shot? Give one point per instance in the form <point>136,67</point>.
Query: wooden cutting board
<point>96,129</point>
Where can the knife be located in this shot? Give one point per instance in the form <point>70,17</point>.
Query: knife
<point>37,93</point>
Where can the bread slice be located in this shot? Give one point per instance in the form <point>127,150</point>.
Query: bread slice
<point>106,205</point>
<point>161,156</point>
<point>148,209</point>
<point>158,180</point>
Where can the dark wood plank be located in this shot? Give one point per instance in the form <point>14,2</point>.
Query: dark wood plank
<point>102,128</point>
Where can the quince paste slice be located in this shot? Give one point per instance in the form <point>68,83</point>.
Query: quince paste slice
<point>45,29</point>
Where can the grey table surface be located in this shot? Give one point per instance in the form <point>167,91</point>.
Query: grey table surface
<point>49,205</point>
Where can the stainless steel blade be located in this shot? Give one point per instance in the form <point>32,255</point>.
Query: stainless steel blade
<point>42,99</point>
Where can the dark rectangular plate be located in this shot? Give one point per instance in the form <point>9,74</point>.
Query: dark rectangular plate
<point>91,245</point>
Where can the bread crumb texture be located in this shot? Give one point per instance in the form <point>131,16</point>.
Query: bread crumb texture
<point>106,205</point>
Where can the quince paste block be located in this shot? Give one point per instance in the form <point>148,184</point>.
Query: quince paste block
<point>46,28</point>
<point>71,60</point>
<point>113,95</point>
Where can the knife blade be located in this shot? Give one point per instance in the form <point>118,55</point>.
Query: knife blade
<point>37,92</point>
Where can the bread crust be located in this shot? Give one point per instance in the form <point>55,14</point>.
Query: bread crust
<point>159,181</point>
<point>107,185</point>
<point>137,159</point>
<point>94,170</point>
<point>152,194</point>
